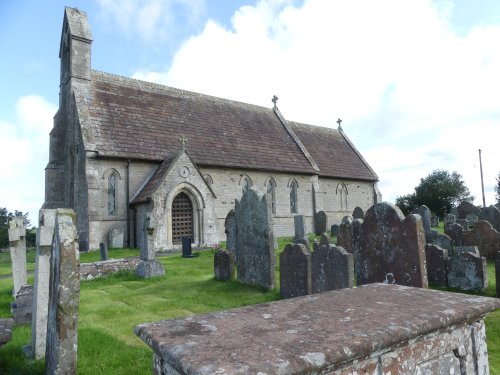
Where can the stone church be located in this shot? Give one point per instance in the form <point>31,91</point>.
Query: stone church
<point>127,154</point>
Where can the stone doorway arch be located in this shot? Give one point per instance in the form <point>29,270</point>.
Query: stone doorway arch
<point>182,218</point>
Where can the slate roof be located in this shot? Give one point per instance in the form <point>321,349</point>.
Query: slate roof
<point>141,120</point>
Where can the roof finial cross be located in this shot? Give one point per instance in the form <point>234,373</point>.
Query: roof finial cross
<point>339,121</point>
<point>275,100</point>
<point>183,140</point>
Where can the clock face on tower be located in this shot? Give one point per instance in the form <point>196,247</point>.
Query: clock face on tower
<point>184,171</point>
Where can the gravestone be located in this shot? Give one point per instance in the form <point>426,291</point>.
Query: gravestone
<point>254,250</point>
<point>115,238</point>
<point>303,241</point>
<point>466,208</point>
<point>358,213</point>
<point>17,243</point>
<point>466,249</point>
<point>44,237</point>
<point>434,221</point>
<point>471,219</point>
<point>443,241</point>
<point>103,248</point>
<point>334,230</point>
<point>425,214</point>
<point>455,232</point>
<point>492,214</point>
<point>467,272</point>
<point>332,268</point>
<point>186,247</point>
<point>224,265</point>
<point>320,220</point>
<point>64,297</point>
<point>390,248</point>
<point>22,308</point>
<point>295,271</point>
<point>230,229</point>
<point>6,326</point>
<point>436,261</point>
<point>149,266</point>
<point>485,237</point>
<point>497,273</point>
<point>463,223</point>
<point>299,225</point>
<point>448,220</point>
<point>344,238</point>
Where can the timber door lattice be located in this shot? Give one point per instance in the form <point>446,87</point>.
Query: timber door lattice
<point>182,218</point>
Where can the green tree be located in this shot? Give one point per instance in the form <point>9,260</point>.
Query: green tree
<point>440,191</point>
<point>5,217</point>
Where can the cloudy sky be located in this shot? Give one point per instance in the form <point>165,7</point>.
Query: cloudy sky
<point>416,83</point>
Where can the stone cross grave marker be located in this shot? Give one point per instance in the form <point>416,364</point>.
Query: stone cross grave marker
<point>390,248</point>
<point>295,271</point>
<point>149,266</point>
<point>17,242</point>
<point>64,297</point>
<point>254,250</point>
<point>44,237</point>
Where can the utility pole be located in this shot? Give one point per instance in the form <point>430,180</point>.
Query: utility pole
<point>482,182</point>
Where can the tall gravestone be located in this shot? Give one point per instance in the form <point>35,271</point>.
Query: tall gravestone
<point>332,267</point>
<point>295,271</point>
<point>436,262</point>
<point>64,297</point>
<point>44,237</point>
<point>149,266</point>
<point>344,238</point>
<point>230,229</point>
<point>300,231</point>
<point>17,243</point>
<point>254,249</point>
<point>358,213</point>
<point>390,248</point>
<point>320,220</point>
<point>425,214</point>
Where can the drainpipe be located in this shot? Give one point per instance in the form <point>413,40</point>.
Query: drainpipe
<point>127,194</point>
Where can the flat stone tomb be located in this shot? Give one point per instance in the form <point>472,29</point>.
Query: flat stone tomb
<point>371,329</point>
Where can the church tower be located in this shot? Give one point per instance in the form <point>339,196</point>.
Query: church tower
<point>65,183</point>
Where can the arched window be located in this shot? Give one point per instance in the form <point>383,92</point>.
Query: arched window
<point>112,194</point>
<point>342,193</point>
<point>245,183</point>
<point>271,192</point>
<point>293,196</point>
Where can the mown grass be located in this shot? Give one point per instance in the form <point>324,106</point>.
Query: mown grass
<point>111,307</point>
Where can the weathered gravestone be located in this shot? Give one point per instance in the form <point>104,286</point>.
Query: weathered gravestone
<point>300,231</point>
<point>230,229</point>
<point>44,237</point>
<point>344,238</point>
<point>434,221</point>
<point>390,248</point>
<point>17,242</point>
<point>425,214</point>
<point>320,220</point>
<point>485,237</point>
<point>103,248</point>
<point>149,266</point>
<point>64,297</point>
<point>22,308</point>
<point>466,208</point>
<point>358,213</point>
<point>455,232</point>
<point>471,219</point>
<point>466,249</point>
<point>448,220</point>
<point>224,265</point>
<point>497,272</point>
<point>6,325</point>
<point>492,214</point>
<point>115,238</point>
<point>332,267</point>
<point>463,223</point>
<point>467,272</point>
<point>334,230</point>
<point>295,271</point>
<point>436,262</point>
<point>444,241</point>
<point>254,249</point>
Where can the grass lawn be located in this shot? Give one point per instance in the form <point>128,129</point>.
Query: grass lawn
<point>111,307</point>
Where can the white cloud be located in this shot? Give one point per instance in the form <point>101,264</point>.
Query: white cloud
<point>151,20</point>
<point>25,148</point>
<point>414,95</point>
